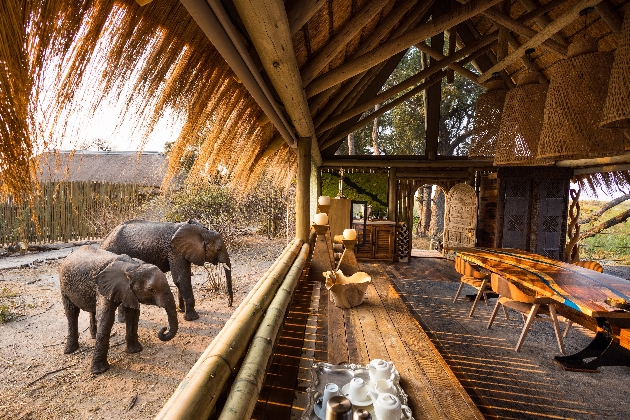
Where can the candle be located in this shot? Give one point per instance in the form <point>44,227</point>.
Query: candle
<point>324,200</point>
<point>349,234</point>
<point>321,219</point>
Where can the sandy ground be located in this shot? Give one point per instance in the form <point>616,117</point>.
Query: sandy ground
<point>38,381</point>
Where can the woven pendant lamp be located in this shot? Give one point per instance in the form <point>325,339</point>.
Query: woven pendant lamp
<point>577,91</point>
<point>616,113</point>
<point>521,123</point>
<point>487,120</point>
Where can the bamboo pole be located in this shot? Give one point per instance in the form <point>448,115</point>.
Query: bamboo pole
<point>393,47</point>
<point>302,193</point>
<point>196,395</point>
<point>240,403</point>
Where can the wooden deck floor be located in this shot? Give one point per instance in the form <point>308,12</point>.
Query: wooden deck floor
<point>382,327</point>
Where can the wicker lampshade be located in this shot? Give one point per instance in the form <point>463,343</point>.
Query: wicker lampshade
<point>577,91</point>
<point>521,123</point>
<point>487,120</point>
<point>616,113</point>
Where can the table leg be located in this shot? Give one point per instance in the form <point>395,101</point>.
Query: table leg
<point>602,351</point>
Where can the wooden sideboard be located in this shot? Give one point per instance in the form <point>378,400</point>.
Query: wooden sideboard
<point>379,240</point>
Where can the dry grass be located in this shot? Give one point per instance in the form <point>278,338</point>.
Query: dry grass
<point>61,59</point>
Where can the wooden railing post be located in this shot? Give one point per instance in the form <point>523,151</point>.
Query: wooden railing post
<point>303,195</point>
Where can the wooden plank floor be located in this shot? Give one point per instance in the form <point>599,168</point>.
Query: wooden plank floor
<point>382,327</point>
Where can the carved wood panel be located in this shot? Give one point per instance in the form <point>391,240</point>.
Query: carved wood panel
<point>487,220</point>
<point>516,214</point>
<point>552,214</point>
<point>460,217</point>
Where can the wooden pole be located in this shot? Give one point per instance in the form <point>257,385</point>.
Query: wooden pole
<point>240,403</point>
<point>432,101</point>
<point>391,195</point>
<point>391,48</point>
<point>303,195</point>
<point>609,16</point>
<point>559,23</point>
<point>300,12</point>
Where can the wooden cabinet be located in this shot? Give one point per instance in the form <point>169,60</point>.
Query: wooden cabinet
<point>379,241</point>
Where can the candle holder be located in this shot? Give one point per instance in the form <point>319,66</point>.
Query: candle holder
<point>348,263</point>
<point>323,245</point>
<point>323,208</point>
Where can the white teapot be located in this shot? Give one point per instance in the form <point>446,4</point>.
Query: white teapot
<point>388,407</point>
<point>379,369</point>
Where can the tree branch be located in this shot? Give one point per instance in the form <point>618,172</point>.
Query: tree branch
<point>603,209</point>
<point>620,218</point>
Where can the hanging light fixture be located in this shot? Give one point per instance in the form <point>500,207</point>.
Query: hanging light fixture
<point>488,112</point>
<point>576,96</point>
<point>521,122</point>
<point>616,113</point>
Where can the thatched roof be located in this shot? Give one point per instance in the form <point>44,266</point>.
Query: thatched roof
<point>145,168</point>
<point>247,79</point>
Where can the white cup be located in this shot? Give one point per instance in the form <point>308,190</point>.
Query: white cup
<point>357,391</point>
<point>385,386</point>
<point>330,390</point>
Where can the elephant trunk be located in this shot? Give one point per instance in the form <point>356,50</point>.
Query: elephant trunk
<point>171,312</point>
<point>225,259</point>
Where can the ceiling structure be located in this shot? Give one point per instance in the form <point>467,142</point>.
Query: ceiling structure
<point>315,66</point>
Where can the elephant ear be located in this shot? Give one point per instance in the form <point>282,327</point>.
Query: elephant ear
<point>114,283</point>
<point>188,241</point>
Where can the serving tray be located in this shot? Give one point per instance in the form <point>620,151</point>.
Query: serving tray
<point>324,373</point>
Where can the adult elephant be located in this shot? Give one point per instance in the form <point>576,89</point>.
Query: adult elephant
<point>172,247</point>
<point>98,282</point>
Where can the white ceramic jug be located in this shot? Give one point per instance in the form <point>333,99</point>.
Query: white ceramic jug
<point>388,407</point>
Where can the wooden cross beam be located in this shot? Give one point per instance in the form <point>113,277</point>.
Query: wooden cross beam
<point>559,23</point>
<point>300,12</point>
<point>388,49</point>
<point>609,16</point>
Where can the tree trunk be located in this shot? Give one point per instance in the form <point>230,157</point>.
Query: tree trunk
<point>622,217</point>
<point>436,228</point>
<point>351,149</point>
<point>603,209</point>
<point>377,150</point>
<point>418,198</point>
<point>425,216</point>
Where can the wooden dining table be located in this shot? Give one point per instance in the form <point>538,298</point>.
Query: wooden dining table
<point>583,296</point>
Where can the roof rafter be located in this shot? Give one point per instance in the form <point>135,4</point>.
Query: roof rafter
<point>609,16</point>
<point>391,48</point>
<point>542,20</point>
<point>300,12</point>
<point>559,23</point>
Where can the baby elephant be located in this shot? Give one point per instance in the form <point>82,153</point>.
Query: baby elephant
<point>98,282</point>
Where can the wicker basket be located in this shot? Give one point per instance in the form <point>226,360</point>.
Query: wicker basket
<point>521,123</point>
<point>487,120</point>
<point>575,99</point>
<point>616,113</point>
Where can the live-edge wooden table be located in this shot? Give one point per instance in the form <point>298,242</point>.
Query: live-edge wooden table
<point>580,293</point>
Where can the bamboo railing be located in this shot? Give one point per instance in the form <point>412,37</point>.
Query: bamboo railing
<point>196,396</point>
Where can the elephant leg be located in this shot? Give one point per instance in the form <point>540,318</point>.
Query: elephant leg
<point>72,314</point>
<point>186,292</point>
<point>93,324</point>
<point>180,298</point>
<point>121,315</point>
<point>131,336</point>
<point>105,314</point>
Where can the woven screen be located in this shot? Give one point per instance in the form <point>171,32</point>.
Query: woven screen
<point>577,91</point>
<point>521,123</point>
<point>616,113</point>
<point>487,120</point>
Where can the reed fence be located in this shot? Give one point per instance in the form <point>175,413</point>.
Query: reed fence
<point>69,211</point>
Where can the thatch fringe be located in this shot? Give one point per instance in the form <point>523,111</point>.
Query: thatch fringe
<point>62,59</point>
<point>607,182</point>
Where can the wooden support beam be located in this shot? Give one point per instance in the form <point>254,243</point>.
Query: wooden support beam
<point>523,30</point>
<point>391,195</point>
<point>533,14</point>
<point>274,145</point>
<point>391,48</point>
<point>437,78</point>
<point>452,63</point>
<point>267,25</point>
<point>409,82</point>
<point>542,20</point>
<point>411,162</point>
<point>340,40</point>
<point>603,168</point>
<point>559,23</point>
<point>502,51</point>
<point>302,190</point>
<point>527,62</point>
<point>452,44</point>
<point>433,174</point>
<point>608,15</point>
<point>577,163</point>
<point>300,12</point>
<point>432,102</point>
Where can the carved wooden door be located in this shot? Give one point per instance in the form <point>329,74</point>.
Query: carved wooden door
<point>516,213</point>
<point>460,217</point>
<point>552,218</point>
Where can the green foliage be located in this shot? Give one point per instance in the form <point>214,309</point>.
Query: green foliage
<point>402,129</point>
<point>360,186</point>
<point>611,245</point>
